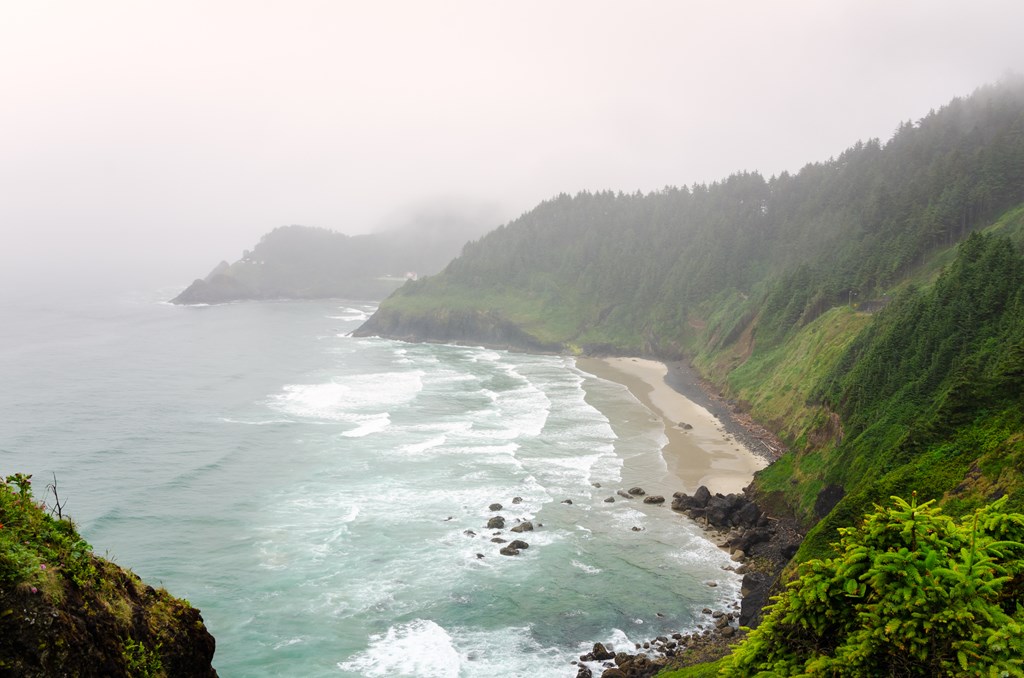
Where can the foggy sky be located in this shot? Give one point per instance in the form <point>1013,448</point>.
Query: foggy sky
<point>145,141</point>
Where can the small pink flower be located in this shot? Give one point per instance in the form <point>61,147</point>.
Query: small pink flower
<point>42,566</point>
<point>35,590</point>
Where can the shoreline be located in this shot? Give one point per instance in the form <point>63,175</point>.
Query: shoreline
<point>709,445</point>
<point>703,447</point>
<point>758,439</point>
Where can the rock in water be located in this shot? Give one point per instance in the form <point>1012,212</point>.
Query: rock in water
<point>523,527</point>
<point>496,523</point>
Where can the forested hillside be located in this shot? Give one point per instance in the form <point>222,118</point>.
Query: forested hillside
<point>642,273</point>
<point>848,306</point>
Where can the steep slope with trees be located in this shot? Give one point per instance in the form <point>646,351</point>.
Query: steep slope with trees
<point>635,273</point>
<point>815,300</point>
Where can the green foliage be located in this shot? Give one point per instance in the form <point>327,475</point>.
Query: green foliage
<point>706,670</point>
<point>34,547</point>
<point>140,661</point>
<point>911,592</point>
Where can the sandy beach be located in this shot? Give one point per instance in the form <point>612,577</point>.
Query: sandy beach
<point>699,450</point>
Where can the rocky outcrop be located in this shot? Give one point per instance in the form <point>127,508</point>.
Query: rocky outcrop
<point>762,543</point>
<point>111,630</point>
<point>66,612</point>
<point>458,326</point>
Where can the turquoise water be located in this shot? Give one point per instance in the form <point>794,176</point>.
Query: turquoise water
<point>323,499</point>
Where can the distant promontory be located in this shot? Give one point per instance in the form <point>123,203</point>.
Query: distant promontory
<point>303,262</point>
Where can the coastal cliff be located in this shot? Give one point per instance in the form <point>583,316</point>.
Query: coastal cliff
<point>302,262</point>
<point>66,612</point>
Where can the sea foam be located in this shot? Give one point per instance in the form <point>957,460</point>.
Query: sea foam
<point>417,649</point>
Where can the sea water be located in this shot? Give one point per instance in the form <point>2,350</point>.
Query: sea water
<point>323,498</point>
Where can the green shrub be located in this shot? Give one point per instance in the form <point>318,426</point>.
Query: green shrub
<point>912,592</point>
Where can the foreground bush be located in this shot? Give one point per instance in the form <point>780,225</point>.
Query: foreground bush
<point>912,593</point>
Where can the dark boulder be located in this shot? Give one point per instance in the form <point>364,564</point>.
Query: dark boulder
<point>654,499</point>
<point>747,515</point>
<point>496,523</point>
<point>702,496</point>
<point>523,527</point>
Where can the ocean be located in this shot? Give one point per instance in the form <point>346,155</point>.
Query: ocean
<point>323,499</point>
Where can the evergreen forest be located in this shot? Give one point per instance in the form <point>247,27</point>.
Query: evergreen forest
<point>869,309</point>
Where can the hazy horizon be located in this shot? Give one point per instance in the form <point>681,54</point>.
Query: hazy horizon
<point>144,143</point>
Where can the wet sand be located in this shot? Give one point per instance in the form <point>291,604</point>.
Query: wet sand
<point>703,454</point>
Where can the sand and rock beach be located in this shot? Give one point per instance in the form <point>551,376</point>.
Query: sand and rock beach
<point>711,452</point>
<point>702,448</point>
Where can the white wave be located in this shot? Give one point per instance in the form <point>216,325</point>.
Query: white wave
<point>350,315</point>
<point>586,568</point>
<point>374,424</point>
<point>418,649</point>
<point>509,651</point>
<point>290,641</point>
<point>422,446</point>
<point>340,400</point>
<point>484,355</point>
<point>263,422</point>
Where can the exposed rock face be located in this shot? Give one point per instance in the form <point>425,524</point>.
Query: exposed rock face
<point>750,532</point>
<point>496,523</point>
<point>523,527</point>
<point>91,634</point>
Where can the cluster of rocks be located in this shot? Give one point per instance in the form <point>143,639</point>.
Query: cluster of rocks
<point>761,544</point>
<point>650,657</point>
<point>621,664</point>
<point>635,492</point>
<point>509,548</point>
<point>513,548</point>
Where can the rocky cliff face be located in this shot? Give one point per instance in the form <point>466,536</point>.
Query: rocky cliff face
<point>66,612</point>
<point>117,627</point>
